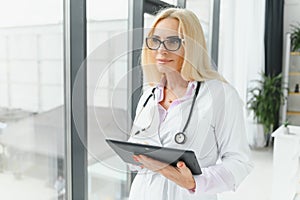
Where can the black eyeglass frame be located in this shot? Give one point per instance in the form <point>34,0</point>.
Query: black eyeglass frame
<point>163,42</point>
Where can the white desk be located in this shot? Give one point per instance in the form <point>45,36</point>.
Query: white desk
<point>286,163</point>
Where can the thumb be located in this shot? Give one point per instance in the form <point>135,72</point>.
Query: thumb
<point>183,168</point>
<point>181,165</point>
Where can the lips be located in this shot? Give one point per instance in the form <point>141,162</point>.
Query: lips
<point>163,61</point>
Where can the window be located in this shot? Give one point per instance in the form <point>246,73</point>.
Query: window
<point>107,95</point>
<point>32,100</point>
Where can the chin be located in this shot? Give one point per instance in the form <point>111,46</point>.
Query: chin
<point>162,68</point>
<point>165,69</point>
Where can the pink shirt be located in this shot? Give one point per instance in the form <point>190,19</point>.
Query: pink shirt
<point>160,94</point>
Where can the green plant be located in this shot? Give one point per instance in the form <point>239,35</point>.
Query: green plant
<point>295,37</point>
<point>265,100</point>
<point>286,123</point>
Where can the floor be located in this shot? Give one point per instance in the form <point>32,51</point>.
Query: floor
<point>256,186</point>
<point>24,188</point>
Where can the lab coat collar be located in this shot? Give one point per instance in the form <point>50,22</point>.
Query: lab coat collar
<point>189,92</point>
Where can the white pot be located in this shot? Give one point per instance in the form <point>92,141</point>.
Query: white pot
<point>286,130</point>
<point>256,135</point>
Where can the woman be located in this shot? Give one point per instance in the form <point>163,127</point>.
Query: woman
<point>181,83</point>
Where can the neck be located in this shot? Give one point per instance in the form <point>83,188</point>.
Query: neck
<point>176,84</point>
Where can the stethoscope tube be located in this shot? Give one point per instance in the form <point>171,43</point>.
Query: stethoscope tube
<point>152,94</point>
<point>144,105</point>
<point>193,103</point>
<point>180,137</point>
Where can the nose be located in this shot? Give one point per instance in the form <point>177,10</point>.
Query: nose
<point>162,48</point>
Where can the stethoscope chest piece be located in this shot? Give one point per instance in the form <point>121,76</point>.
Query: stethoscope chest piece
<point>180,138</point>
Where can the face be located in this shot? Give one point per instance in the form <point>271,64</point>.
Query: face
<point>168,61</point>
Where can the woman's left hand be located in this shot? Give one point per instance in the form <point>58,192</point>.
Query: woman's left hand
<point>181,174</point>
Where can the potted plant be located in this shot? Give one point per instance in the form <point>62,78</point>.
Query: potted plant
<point>265,101</point>
<point>295,37</point>
<point>286,127</point>
<point>295,47</point>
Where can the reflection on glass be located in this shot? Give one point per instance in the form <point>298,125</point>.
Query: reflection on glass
<point>31,103</point>
<point>203,9</point>
<point>107,96</point>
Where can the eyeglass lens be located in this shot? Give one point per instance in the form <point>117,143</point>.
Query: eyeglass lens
<point>171,44</point>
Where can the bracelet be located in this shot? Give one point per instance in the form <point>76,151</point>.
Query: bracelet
<point>193,189</point>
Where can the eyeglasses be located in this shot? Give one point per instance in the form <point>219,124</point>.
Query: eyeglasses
<point>170,44</point>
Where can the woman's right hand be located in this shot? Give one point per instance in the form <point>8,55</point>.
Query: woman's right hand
<point>181,174</point>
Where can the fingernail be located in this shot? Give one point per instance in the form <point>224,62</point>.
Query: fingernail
<point>135,159</point>
<point>180,165</point>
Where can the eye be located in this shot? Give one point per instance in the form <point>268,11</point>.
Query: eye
<point>153,43</point>
<point>173,41</point>
<point>154,40</point>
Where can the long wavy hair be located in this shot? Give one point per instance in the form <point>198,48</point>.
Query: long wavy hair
<point>197,65</point>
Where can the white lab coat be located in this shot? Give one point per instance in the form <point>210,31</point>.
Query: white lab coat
<point>217,108</point>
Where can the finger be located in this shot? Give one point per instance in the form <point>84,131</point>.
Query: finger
<point>180,164</point>
<point>151,163</point>
<point>186,172</point>
<point>183,168</point>
<point>135,158</point>
<point>146,161</point>
<point>141,158</point>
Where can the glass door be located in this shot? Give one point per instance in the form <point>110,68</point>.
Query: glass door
<point>107,96</point>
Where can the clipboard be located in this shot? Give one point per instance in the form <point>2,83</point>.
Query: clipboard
<point>126,150</point>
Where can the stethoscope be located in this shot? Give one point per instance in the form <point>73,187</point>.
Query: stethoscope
<point>180,137</point>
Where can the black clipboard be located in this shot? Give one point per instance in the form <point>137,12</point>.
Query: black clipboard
<point>126,150</point>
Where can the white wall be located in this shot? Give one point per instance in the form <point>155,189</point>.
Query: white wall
<point>291,14</point>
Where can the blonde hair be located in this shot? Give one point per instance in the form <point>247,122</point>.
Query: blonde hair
<point>196,65</point>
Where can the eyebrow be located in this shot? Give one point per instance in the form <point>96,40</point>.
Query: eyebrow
<point>169,37</point>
